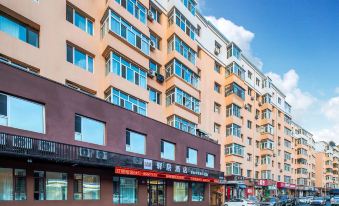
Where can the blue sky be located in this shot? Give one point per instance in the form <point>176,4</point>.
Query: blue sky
<point>298,39</point>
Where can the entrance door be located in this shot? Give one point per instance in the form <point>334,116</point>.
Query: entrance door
<point>156,192</point>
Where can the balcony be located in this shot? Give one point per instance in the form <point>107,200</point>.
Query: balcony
<point>27,147</point>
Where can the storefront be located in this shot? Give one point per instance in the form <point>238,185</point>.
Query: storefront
<point>265,188</point>
<point>303,191</point>
<point>250,187</point>
<point>286,189</point>
<point>235,187</point>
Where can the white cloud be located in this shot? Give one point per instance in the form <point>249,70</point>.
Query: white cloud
<point>288,84</point>
<point>336,90</point>
<point>237,34</point>
<point>327,134</point>
<point>331,109</point>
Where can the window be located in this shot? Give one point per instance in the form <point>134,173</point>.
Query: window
<point>266,174</point>
<point>266,159</point>
<point>249,92</point>
<point>198,191</point>
<point>180,191</point>
<point>135,142</point>
<point>156,14</point>
<point>287,155</point>
<point>234,88</point>
<point>125,69</point>
<point>126,101</point>
<point>287,167</point>
<point>79,58</point>
<point>86,187</point>
<point>79,20</point>
<point>233,110</point>
<point>287,131</point>
<point>217,87</point>
<point>249,124</point>
<point>233,130</point>
<point>249,75</point>
<point>217,48</point>
<point>234,149</point>
<point>217,128</point>
<point>135,8</point>
<point>217,108</point>
<point>89,130</point>
<point>217,67</point>
<point>12,184</point>
<point>175,43</point>
<point>125,190</point>
<point>50,185</point>
<point>248,107</point>
<point>257,81</point>
<point>267,144</point>
<point>179,96</point>
<point>266,114</point>
<point>210,160</point>
<point>266,99</point>
<point>18,30</point>
<point>177,68</point>
<point>156,41</point>
<point>126,31</point>
<point>267,128</point>
<point>182,124</point>
<point>190,5</point>
<point>233,168</point>
<point>234,68</point>
<point>154,95</point>
<point>234,51</point>
<point>191,156</point>
<point>167,150</point>
<point>181,21</point>
<point>249,141</point>
<point>279,100</point>
<point>22,114</point>
<point>154,66</point>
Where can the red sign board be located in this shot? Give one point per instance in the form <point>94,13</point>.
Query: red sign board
<point>264,182</point>
<point>145,173</point>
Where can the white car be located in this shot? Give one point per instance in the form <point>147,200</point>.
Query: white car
<point>304,200</point>
<point>335,200</point>
<point>240,202</point>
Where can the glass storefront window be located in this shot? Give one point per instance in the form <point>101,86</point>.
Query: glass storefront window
<point>86,187</point>
<point>125,190</point>
<point>198,191</point>
<point>180,191</point>
<point>6,184</point>
<point>56,186</point>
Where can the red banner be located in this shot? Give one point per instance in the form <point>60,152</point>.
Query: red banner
<point>144,173</point>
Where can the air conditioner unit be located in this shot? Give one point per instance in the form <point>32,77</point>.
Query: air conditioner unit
<point>101,155</point>
<point>260,104</point>
<point>46,146</point>
<point>84,152</point>
<point>151,73</point>
<point>2,139</point>
<point>246,106</point>
<point>150,15</point>
<point>256,116</point>
<point>152,45</point>
<point>217,51</point>
<point>241,117</point>
<point>252,98</point>
<point>160,78</point>
<point>22,142</point>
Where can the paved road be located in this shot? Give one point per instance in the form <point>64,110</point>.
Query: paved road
<point>327,204</point>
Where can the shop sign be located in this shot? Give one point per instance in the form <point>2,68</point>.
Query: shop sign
<point>154,174</point>
<point>264,182</point>
<point>235,178</point>
<point>148,164</point>
<point>286,185</point>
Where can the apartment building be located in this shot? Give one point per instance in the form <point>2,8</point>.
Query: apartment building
<point>326,167</point>
<point>304,161</point>
<point>162,60</point>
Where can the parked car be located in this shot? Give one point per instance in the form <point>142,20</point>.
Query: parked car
<point>253,199</point>
<point>303,200</point>
<point>318,201</point>
<point>335,200</point>
<point>239,202</point>
<point>284,200</point>
<point>270,201</point>
<point>310,198</point>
